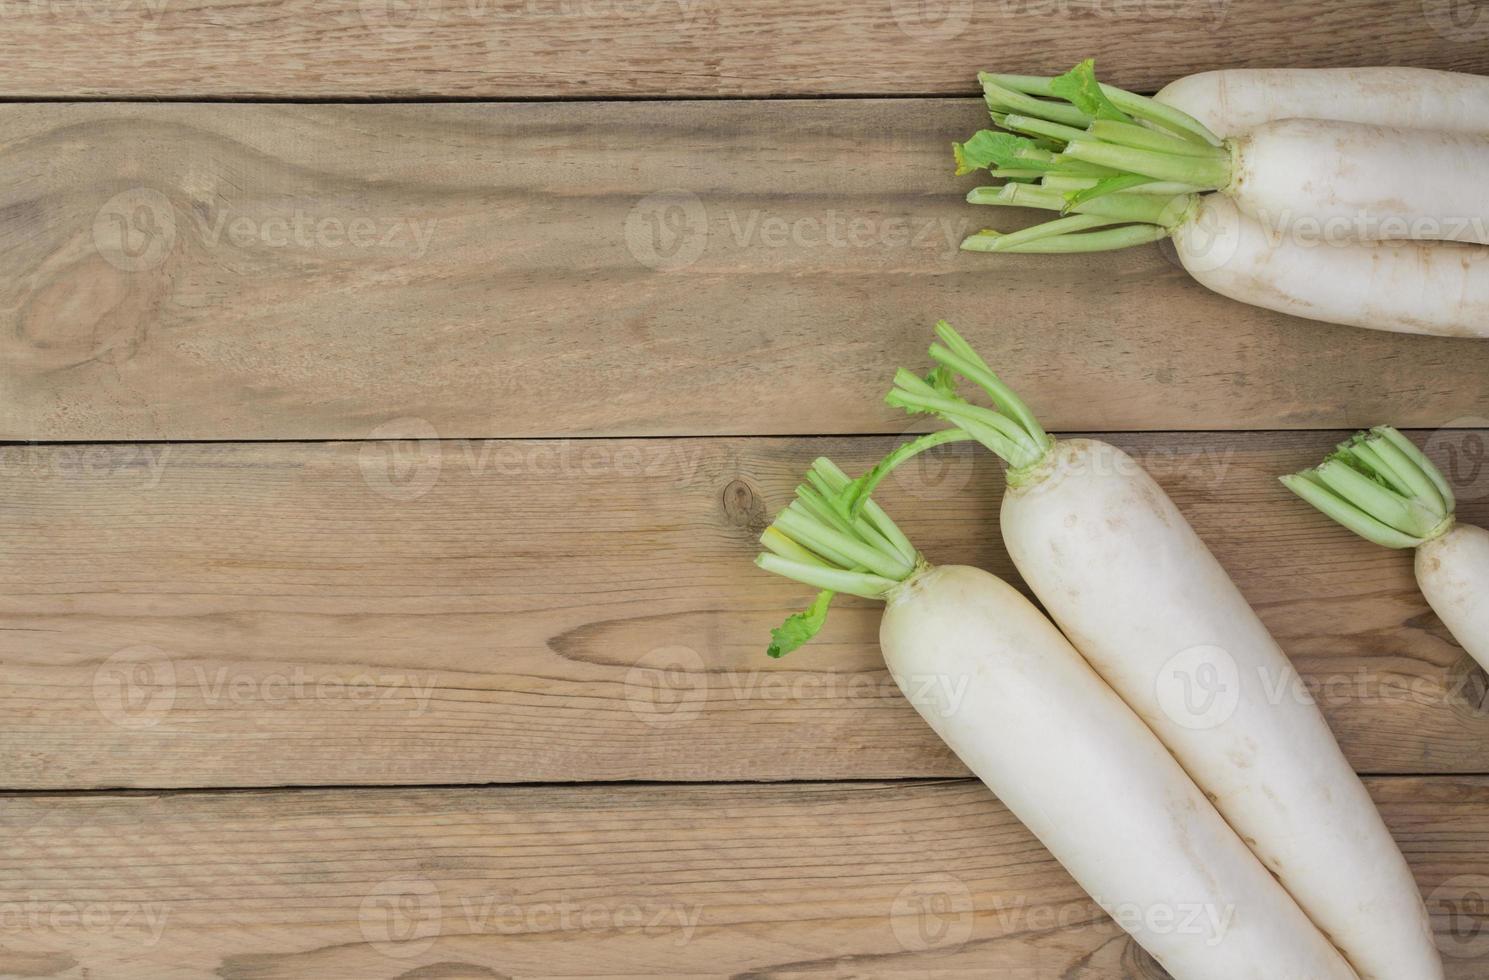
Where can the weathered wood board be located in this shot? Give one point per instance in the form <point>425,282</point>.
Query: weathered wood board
<point>468,612</point>
<point>493,49</point>
<point>706,268</point>
<point>785,881</point>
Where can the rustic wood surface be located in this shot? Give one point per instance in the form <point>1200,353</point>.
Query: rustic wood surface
<point>485,586</point>
<point>488,49</point>
<point>307,272</point>
<point>782,881</point>
<point>465,612</point>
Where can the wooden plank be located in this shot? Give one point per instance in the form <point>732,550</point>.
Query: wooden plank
<point>789,881</point>
<point>275,272</point>
<point>252,615</point>
<point>487,49</point>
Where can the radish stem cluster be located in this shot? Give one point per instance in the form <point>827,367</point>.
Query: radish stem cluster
<point>1381,486</point>
<point>835,539</point>
<point>1119,167</point>
<point>1008,428</point>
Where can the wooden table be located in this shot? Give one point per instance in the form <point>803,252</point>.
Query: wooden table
<point>396,391</point>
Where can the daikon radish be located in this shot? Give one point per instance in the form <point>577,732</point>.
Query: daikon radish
<point>1382,487</point>
<point>1389,182</point>
<point>1232,101</point>
<point>1136,591</point>
<point>1029,716</point>
<point>1439,288</point>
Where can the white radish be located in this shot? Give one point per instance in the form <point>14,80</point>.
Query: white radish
<point>1382,182</point>
<point>1029,716</point>
<point>1439,288</point>
<point>1301,231</point>
<point>1136,591</point>
<point>1371,182</point>
<point>1069,758</point>
<point>1453,573</point>
<point>1382,487</point>
<point>1232,101</point>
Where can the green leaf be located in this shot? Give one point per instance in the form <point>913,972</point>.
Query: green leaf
<point>800,627</point>
<point>1080,88</point>
<point>987,149</point>
<point>943,379</point>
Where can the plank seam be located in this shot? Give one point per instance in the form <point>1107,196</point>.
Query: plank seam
<point>32,794</point>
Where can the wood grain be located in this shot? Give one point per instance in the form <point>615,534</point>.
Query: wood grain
<point>697,268</point>
<point>808,880</point>
<point>452,612</point>
<point>489,49</point>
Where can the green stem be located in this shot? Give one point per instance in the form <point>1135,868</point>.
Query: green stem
<point>959,356</point>
<point>1042,127</point>
<point>1060,226</point>
<point>1061,163</point>
<point>1063,183</point>
<point>1116,206</point>
<point>1106,240</point>
<point>1021,442</point>
<point>852,502</point>
<point>1143,138</point>
<point>1006,100</point>
<point>825,577</point>
<point>1381,486</point>
<point>825,541</point>
<point>843,547</point>
<point>1346,513</point>
<point>1420,461</point>
<point>859,498</point>
<point>986,425</point>
<point>1131,103</point>
<point>1371,495</point>
<point>1211,172</point>
<point>776,542</point>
